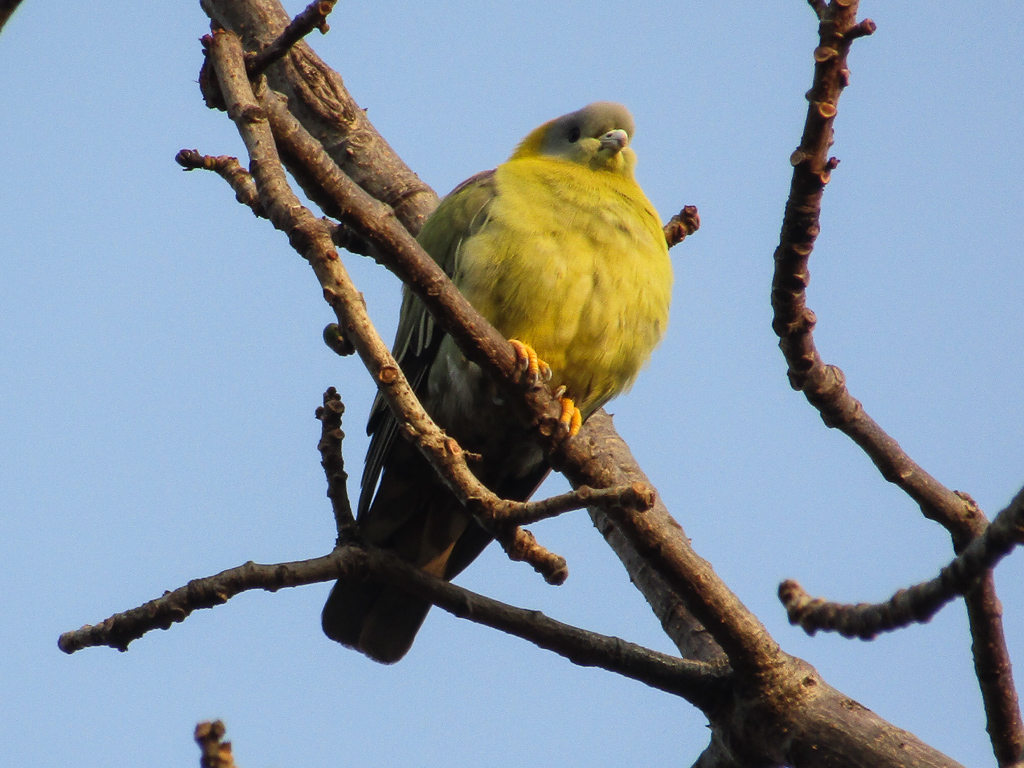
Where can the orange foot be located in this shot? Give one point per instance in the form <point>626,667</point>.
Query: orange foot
<point>571,416</point>
<point>536,370</point>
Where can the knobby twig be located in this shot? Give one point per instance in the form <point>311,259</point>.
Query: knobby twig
<point>695,681</point>
<point>918,603</point>
<point>214,753</point>
<point>682,225</point>
<point>313,17</point>
<point>636,496</point>
<point>825,385</point>
<point>333,462</point>
<point>229,169</point>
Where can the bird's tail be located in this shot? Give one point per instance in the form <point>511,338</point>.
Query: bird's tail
<point>378,620</point>
<point>418,519</point>
<point>425,526</point>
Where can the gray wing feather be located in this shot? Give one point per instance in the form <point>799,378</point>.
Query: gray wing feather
<point>418,337</point>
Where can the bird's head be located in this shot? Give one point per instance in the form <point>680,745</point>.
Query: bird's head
<point>596,136</point>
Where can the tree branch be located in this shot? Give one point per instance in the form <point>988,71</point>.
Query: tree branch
<point>229,169</point>
<point>697,682</point>
<point>918,603</point>
<point>636,496</point>
<point>314,16</point>
<point>825,385</point>
<point>682,225</point>
<point>318,98</point>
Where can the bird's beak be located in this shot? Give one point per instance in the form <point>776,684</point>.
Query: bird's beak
<point>615,140</point>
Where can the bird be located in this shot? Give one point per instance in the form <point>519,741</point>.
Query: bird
<point>561,251</point>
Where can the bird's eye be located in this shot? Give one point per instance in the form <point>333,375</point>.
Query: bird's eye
<point>574,134</point>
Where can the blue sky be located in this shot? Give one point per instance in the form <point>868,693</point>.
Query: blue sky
<point>160,362</point>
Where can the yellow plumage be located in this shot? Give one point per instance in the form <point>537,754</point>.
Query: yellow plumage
<point>558,248</point>
<point>591,295</point>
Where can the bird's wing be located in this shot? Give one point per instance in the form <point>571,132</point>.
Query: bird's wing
<point>460,215</point>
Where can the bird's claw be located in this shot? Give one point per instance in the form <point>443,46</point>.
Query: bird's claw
<point>571,417</point>
<point>532,370</point>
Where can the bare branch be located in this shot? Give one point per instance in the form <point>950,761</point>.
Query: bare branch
<point>313,17</point>
<point>825,385</point>
<point>697,682</point>
<point>229,169</point>
<point>636,496</point>
<point>333,462</point>
<point>918,603</point>
<point>995,673</point>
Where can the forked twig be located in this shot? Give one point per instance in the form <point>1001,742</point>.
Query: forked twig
<point>825,385</point>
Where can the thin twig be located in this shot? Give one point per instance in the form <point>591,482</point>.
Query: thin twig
<point>825,385</point>
<point>314,16</point>
<point>916,604</point>
<point>333,462</point>
<point>636,496</point>
<point>229,169</point>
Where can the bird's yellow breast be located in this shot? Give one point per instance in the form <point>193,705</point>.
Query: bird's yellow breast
<point>574,263</point>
